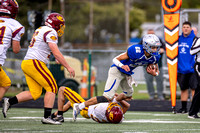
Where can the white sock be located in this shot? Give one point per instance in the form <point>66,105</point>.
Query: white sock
<point>114,100</point>
<point>81,106</point>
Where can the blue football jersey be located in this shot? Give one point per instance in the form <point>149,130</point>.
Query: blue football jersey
<point>186,61</point>
<point>137,58</point>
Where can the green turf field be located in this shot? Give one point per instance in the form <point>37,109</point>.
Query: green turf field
<point>29,120</point>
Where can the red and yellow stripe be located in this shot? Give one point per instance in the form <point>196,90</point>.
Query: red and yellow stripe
<point>46,75</point>
<point>74,97</point>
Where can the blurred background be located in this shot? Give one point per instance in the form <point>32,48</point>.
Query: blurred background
<point>96,30</point>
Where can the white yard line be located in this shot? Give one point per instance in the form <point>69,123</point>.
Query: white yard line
<point>14,129</point>
<point>125,121</point>
<point>6,120</point>
<point>44,131</point>
<point>146,113</point>
<point>157,121</point>
<point>25,117</point>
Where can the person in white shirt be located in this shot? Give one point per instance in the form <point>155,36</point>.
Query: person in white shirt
<point>11,32</point>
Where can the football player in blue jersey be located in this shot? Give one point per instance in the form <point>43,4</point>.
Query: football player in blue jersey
<point>122,69</point>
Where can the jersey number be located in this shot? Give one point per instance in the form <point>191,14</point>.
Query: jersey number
<point>2,31</point>
<point>33,39</point>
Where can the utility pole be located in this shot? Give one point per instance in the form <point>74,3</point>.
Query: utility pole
<point>49,4</point>
<point>91,25</point>
<point>90,47</point>
<point>127,27</point>
<point>62,7</point>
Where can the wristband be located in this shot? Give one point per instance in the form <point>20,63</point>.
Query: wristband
<point>156,73</point>
<point>120,64</point>
<point>117,62</point>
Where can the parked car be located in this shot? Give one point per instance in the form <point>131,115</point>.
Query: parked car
<point>62,76</point>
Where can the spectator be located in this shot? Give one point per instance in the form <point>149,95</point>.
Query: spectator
<point>159,79</point>
<point>195,30</point>
<point>186,76</point>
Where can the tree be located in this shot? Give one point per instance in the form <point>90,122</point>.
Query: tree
<point>37,5</point>
<point>137,17</point>
<point>151,8</point>
<point>107,16</point>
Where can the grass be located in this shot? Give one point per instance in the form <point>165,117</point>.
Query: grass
<point>29,120</point>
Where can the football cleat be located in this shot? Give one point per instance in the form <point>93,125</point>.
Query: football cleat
<point>59,118</point>
<point>76,111</point>
<point>5,106</point>
<point>49,120</point>
<point>193,116</point>
<point>182,111</point>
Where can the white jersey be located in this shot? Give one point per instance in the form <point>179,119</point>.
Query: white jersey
<point>195,49</point>
<point>39,48</point>
<point>10,29</point>
<point>97,112</point>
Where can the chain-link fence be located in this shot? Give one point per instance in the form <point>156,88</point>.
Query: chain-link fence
<point>101,60</point>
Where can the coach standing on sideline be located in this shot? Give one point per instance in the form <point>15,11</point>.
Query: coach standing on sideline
<point>159,79</point>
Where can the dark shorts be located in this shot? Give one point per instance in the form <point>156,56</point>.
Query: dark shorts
<point>197,70</point>
<point>187,81</point>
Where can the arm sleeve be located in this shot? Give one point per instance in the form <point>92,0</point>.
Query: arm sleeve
<point>52,37</point>
<point>18,33</point>
<point>131,52</point>
<point>195,46</point>
<point>117,62</point>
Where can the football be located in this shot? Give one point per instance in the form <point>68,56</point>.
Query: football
<point>152,66</point>
<point>151,69</point>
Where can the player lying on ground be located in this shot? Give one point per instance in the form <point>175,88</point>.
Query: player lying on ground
<point>120,73</point>
<point>109,112</point>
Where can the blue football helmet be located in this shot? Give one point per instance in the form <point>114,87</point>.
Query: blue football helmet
<point>150,41</point>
